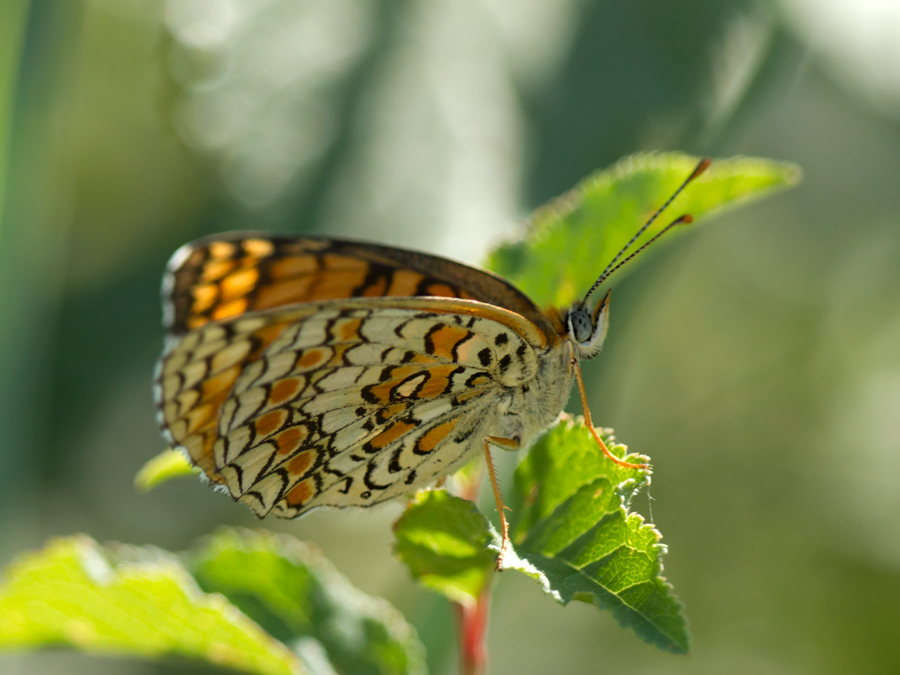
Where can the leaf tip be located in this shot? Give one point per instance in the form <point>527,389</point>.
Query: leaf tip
<point>168,464</point>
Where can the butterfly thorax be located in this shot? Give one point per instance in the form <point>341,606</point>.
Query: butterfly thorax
<point>529,409</point>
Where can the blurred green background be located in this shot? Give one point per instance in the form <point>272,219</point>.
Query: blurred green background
<point>757,360</point>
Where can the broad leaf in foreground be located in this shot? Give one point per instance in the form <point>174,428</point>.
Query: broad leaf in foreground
<point>128,601</point>
<point>238,585</point>
<point>571,521</point>
<point>569,241</point>
<point>292,591</point>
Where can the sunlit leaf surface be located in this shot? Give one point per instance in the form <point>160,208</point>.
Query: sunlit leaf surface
<point>571,521</point>
<point>572,531</point>
<point>292,591</point>
<point>255,602</point>
<point>128,601</point>
<point>569,241</point>
<point>167,464</point>
<point>445,541</point>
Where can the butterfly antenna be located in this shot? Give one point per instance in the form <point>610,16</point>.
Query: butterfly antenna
<point>686,219</point>
<point>613,266</point>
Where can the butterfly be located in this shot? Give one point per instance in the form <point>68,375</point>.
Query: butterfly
<point>301,372</point>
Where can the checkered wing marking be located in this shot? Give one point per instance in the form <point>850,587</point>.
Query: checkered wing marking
<point>225,276</point>
<point>351,403</point>
<point>196,375</point>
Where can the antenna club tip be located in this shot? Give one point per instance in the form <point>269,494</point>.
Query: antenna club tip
<point>701,167</point>
<point>686,219</point>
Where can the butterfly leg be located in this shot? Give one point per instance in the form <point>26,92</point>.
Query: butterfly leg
<point>590,423</point>
<point>506,444</point>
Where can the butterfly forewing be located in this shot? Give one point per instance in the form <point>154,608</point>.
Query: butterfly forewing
<point>224,277</point>
<point>343,402</point>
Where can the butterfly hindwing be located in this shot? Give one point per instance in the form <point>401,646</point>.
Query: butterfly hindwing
<point>345,402</point>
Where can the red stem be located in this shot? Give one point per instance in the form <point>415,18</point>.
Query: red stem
<point>472,621</point>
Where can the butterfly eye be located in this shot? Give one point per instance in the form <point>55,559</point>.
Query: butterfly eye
<point>580,324</point>
<point>587,329</point>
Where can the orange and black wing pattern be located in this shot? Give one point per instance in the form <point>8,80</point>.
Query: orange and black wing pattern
<point>264,331</point>
<point>341,403</point>
<point>226,276</point>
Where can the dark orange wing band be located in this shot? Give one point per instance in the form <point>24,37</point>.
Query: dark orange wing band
<point>228,275</point>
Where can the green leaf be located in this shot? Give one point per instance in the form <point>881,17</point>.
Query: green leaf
<point>292,591</point>
<point>143,602</point>
<point>167,464</point>
<point>571,523</point>
<point>447,544</point>
<point>569,242</point>
<point>128,601</point>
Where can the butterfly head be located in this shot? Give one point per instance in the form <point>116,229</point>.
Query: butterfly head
<point>586,328</point>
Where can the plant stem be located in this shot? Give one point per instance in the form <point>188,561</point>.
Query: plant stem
<point>472,621</point>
